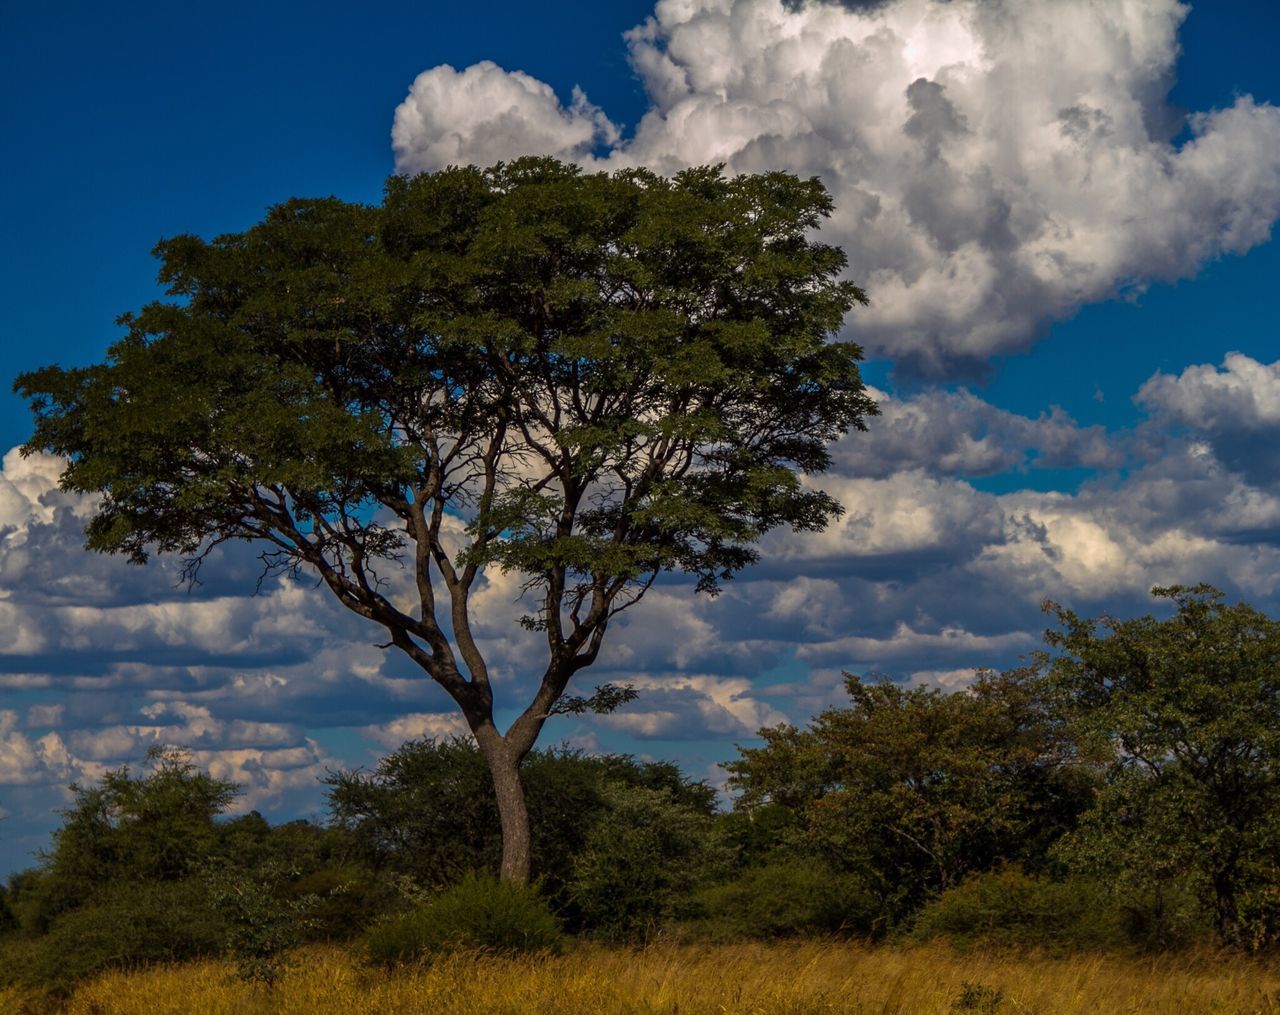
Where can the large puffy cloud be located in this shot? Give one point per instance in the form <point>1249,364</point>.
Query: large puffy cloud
<point>995,163</point>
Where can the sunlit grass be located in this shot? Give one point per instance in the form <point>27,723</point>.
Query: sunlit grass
<point>691,980</point>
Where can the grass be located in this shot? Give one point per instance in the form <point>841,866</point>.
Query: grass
<point>783,979</point>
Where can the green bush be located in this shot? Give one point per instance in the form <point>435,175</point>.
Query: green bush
<point>263,920</point>
<point>428,812</point>
<point>641,866</point>
<point>477,913</point>
<point>1009,907</point>
<point>784,899</point>
<point>347,899</point>
<point>125,925</point>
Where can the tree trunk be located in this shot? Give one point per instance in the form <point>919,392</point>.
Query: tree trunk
<point>512,813</point>
<point>1226,911</point>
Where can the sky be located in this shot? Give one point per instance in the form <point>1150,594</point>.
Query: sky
<point>1062,211</point>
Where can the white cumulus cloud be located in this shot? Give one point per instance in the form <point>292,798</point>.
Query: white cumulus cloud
<point>484,114</point>
<point>995,163</point>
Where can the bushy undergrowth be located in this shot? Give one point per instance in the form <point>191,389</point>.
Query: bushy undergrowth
<point>476,913</point>
<point>640,868</point>
<point>125,925</point>
<point>786,899</point>
<point>1011,908</point>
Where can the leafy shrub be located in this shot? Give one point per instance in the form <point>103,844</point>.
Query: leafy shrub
<point>641,866</point>
<point>1012,908</point>
<point>1009,907</point>
<point>128,828</point>
<point>784,899</point>
<point>125,925</point>
<point>262,922</point>
<point>428,812</point>
<point>476,913</point>
<point>345,900</point>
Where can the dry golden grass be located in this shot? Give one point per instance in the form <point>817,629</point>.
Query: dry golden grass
<point>692,980</point>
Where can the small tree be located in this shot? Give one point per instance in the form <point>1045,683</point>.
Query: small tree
<point>913,788</point>
<point>1187,711</point>
<point>600,378</point>
<point>132,829</point>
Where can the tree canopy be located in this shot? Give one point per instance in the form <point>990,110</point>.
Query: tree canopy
<point>1185,715</point>
<point>914,788</point>
<point>585,379</point>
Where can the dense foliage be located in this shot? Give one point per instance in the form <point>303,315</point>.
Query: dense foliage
<point>1186,714</point>
<point>910,790</point>
<point>499,917</point>
<point>423,813</point>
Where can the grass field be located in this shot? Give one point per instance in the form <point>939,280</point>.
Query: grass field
<point>692,980</point>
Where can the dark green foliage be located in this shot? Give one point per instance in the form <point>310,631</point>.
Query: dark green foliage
<point>8,918</point>
<point>427,810</point>
<point>785,899</point>
<point>1008,907</point>
<point>760,833</point>
<point>263,918</point>
<point>912,789</point>
<point>343,900</point>
<point>126,924</point>
<point>144,829</point>
<point>477,913</point>
<point>342,894</point>
<point>1185,714</point>
<point>641,862</point>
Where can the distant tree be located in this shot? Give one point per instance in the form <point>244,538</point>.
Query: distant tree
<point>1187,713</point>
<point>587,380</point>
<point>913,788</point>
<point>131,829</point>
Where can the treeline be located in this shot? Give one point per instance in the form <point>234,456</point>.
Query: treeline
<point>1122,792</point>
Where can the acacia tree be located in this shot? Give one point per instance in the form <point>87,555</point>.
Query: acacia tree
<point>913,789</point>
<point>1186,714</point>
<point>603,377</point>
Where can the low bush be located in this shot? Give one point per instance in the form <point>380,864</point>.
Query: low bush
<point>785,899</point>
<point>263,922</point>
<point>477,913</point>
<point>1010,907</point>
<point>126,925</point>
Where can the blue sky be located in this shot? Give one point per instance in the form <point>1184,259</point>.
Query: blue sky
<point>1061,211</point>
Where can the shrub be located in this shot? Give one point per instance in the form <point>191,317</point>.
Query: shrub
<point>1009,907</point>
<point>125,925</point>
<point>428,811</point>
<point>641,866</point>
<point>346,901</point>
<point>262,922</point>
<point>476,913</point>
<point>784,899</point>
